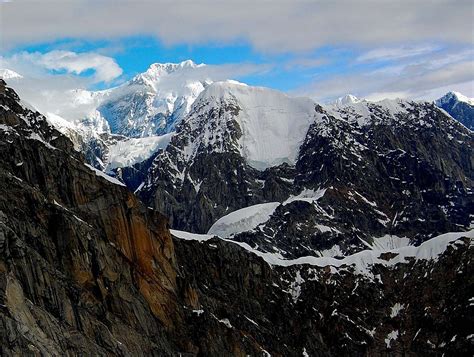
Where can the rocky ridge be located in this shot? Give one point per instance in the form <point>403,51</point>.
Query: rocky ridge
<point>396,168</point>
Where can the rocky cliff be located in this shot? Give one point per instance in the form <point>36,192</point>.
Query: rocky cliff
<point>86,268</point>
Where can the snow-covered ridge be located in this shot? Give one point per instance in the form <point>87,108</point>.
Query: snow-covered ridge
<point>273,125</point>
<point>361,262</point>
<point>156,71</point>
<point>104,175</point>
<point>365,112</point>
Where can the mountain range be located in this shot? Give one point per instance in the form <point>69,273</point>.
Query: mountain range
<point>296,228</point>
<point>151,105</point>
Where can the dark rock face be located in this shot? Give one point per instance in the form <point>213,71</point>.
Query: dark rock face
<point>417,308</point>
<point>459,110</point>
<point>86,269</point>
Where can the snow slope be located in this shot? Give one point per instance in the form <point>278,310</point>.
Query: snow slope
<point>243,220</point>
<point>272,124</point>
<point>131,151</point>
<point>249,218</point>
<point>153,102</point>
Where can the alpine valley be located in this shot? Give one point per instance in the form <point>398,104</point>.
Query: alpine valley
<point>176,215</point>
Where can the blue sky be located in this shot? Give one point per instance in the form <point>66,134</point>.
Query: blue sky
<point>282,71</point>
<point>319,49</point>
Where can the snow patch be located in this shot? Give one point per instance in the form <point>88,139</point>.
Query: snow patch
<point>248,218</point>
<point>134,150</point>
<point>388,242</point>
<point>243,220</point>
<point>395,309</point>
<point>392,336</point>
<point>306,195</point>
<point>191,236</point>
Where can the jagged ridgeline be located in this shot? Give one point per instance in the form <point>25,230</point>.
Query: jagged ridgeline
<point>87,269</point>
<point>288,176</point>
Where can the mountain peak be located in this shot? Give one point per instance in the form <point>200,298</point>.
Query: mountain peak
<point>459,107</point>
<point>456,96</point>
<point>9,74</point>
<point>157,69</point>
<point>346,100</point>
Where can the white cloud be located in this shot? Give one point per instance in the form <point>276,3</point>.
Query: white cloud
<point>396,53</point>
<point>105,68</point>
<point>424,78</point>
<point>276,26</point>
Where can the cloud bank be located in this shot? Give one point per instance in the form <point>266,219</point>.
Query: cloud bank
<point>274,26</point>
<point>428,76</point>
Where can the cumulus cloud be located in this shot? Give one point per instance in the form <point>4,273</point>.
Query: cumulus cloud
<point>276,26</point>
<point>104,68</point>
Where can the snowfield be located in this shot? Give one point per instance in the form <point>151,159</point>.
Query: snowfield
<point>249,218</point>
<point>243,220</point>
<point>273,124</point>
<point>134,150</point>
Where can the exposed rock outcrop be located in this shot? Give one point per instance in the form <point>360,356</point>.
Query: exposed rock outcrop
<point>85,266</point>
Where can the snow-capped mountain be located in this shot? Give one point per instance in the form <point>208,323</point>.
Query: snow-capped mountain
<point>264,126</point>
<point>148,106</point>
<point>454,96</point>
<point>459,106</point>
<point>304,179</point>
<point>83,259</point>
<point>348,99</point>
<point>153,102</point>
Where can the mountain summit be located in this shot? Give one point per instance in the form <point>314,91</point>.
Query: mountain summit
<point>459,107</point>
<point>153,102</point>
<point>346,100</point>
